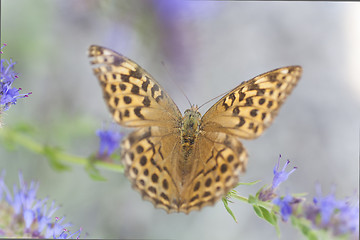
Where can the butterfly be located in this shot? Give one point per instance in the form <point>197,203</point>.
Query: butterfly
<point>178,162</point>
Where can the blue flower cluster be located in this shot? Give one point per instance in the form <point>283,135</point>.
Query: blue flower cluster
<point>338,215</point>
<point>23,215</point>
<point>324,212</point>
<point>8,94</point>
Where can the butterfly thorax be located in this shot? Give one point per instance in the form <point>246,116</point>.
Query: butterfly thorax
<point>190,127</point>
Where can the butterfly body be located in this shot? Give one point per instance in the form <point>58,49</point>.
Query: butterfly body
<point>183,163</point>
<point>190,128</point>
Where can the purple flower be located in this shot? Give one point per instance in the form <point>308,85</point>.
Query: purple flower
<point>328,213</point>
<point>29,213</point>
<point>326,205</point>
<point>280,176</point>
<point>65,234</point>
<point>8,95</point>
<point>348,219</point>
<point>285,206</point>
<point>109,141</point>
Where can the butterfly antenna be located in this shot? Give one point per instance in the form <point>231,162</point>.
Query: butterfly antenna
<point>214,98</point>
<point>177,85</point>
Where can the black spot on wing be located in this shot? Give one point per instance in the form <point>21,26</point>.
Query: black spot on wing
<point>127,99</point>
<point>260,92</point>
<point>254,112</point>
<point>225,105</point>
<point>145,84</point>
<point>124,78</point>
<point>122,87</point>
<point>143,160</point>
<point>116,101</point>
<point>253,87</point>
<point>118,61</point>
<point>249,102</point>
<point>135,89</point>
<point>241,96</point>
<point>146,101</point>
<point>137,112</point>
<point>241,122</point>
<point>161,96</point>
<point>261,101</point>
<point>113,88</point>
<point>106,95</point>
<point>154,178</point>
<point>236,111</point>
<point>232,97</point>
<point>136,74</point>
<point>154,89</point>
<point>165,184</point>
<point>197,186</point>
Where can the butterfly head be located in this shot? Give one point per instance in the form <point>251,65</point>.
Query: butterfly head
<point>191,120</point>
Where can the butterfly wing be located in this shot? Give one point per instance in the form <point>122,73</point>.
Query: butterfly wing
<point>151,156</point>
<point>250,108</point>
<point>218,156</point>
<point>151,153</point>
<point>134,98</point>
<point>218,159</point>
<point>152,162</point>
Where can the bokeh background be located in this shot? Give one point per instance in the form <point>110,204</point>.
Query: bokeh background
<point>204,48</point>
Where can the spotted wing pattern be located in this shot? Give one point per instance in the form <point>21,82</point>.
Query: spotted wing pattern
<point>134,98</point>
<point>153,155</point>
<point>247,110</point>
<point>217,161</point>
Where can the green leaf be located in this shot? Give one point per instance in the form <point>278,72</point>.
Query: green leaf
<point>270,217</point>
<point>51,154</point>
<point>248,184</point>
<point>226,205</point>
<point>258,211</point>
<point>252,199</point>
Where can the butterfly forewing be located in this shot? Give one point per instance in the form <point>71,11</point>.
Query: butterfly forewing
<point>134,98</point>
<point>250,108</point>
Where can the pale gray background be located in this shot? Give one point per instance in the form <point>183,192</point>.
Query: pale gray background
<point>207,48</point>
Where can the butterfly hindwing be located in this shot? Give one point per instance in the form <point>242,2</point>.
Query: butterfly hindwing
<point>218,161</point>
<point>150,156</point>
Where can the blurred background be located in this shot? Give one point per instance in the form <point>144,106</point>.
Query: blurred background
<point>205,48</point>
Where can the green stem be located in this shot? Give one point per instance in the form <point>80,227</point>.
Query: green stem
<point>12,135</point>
